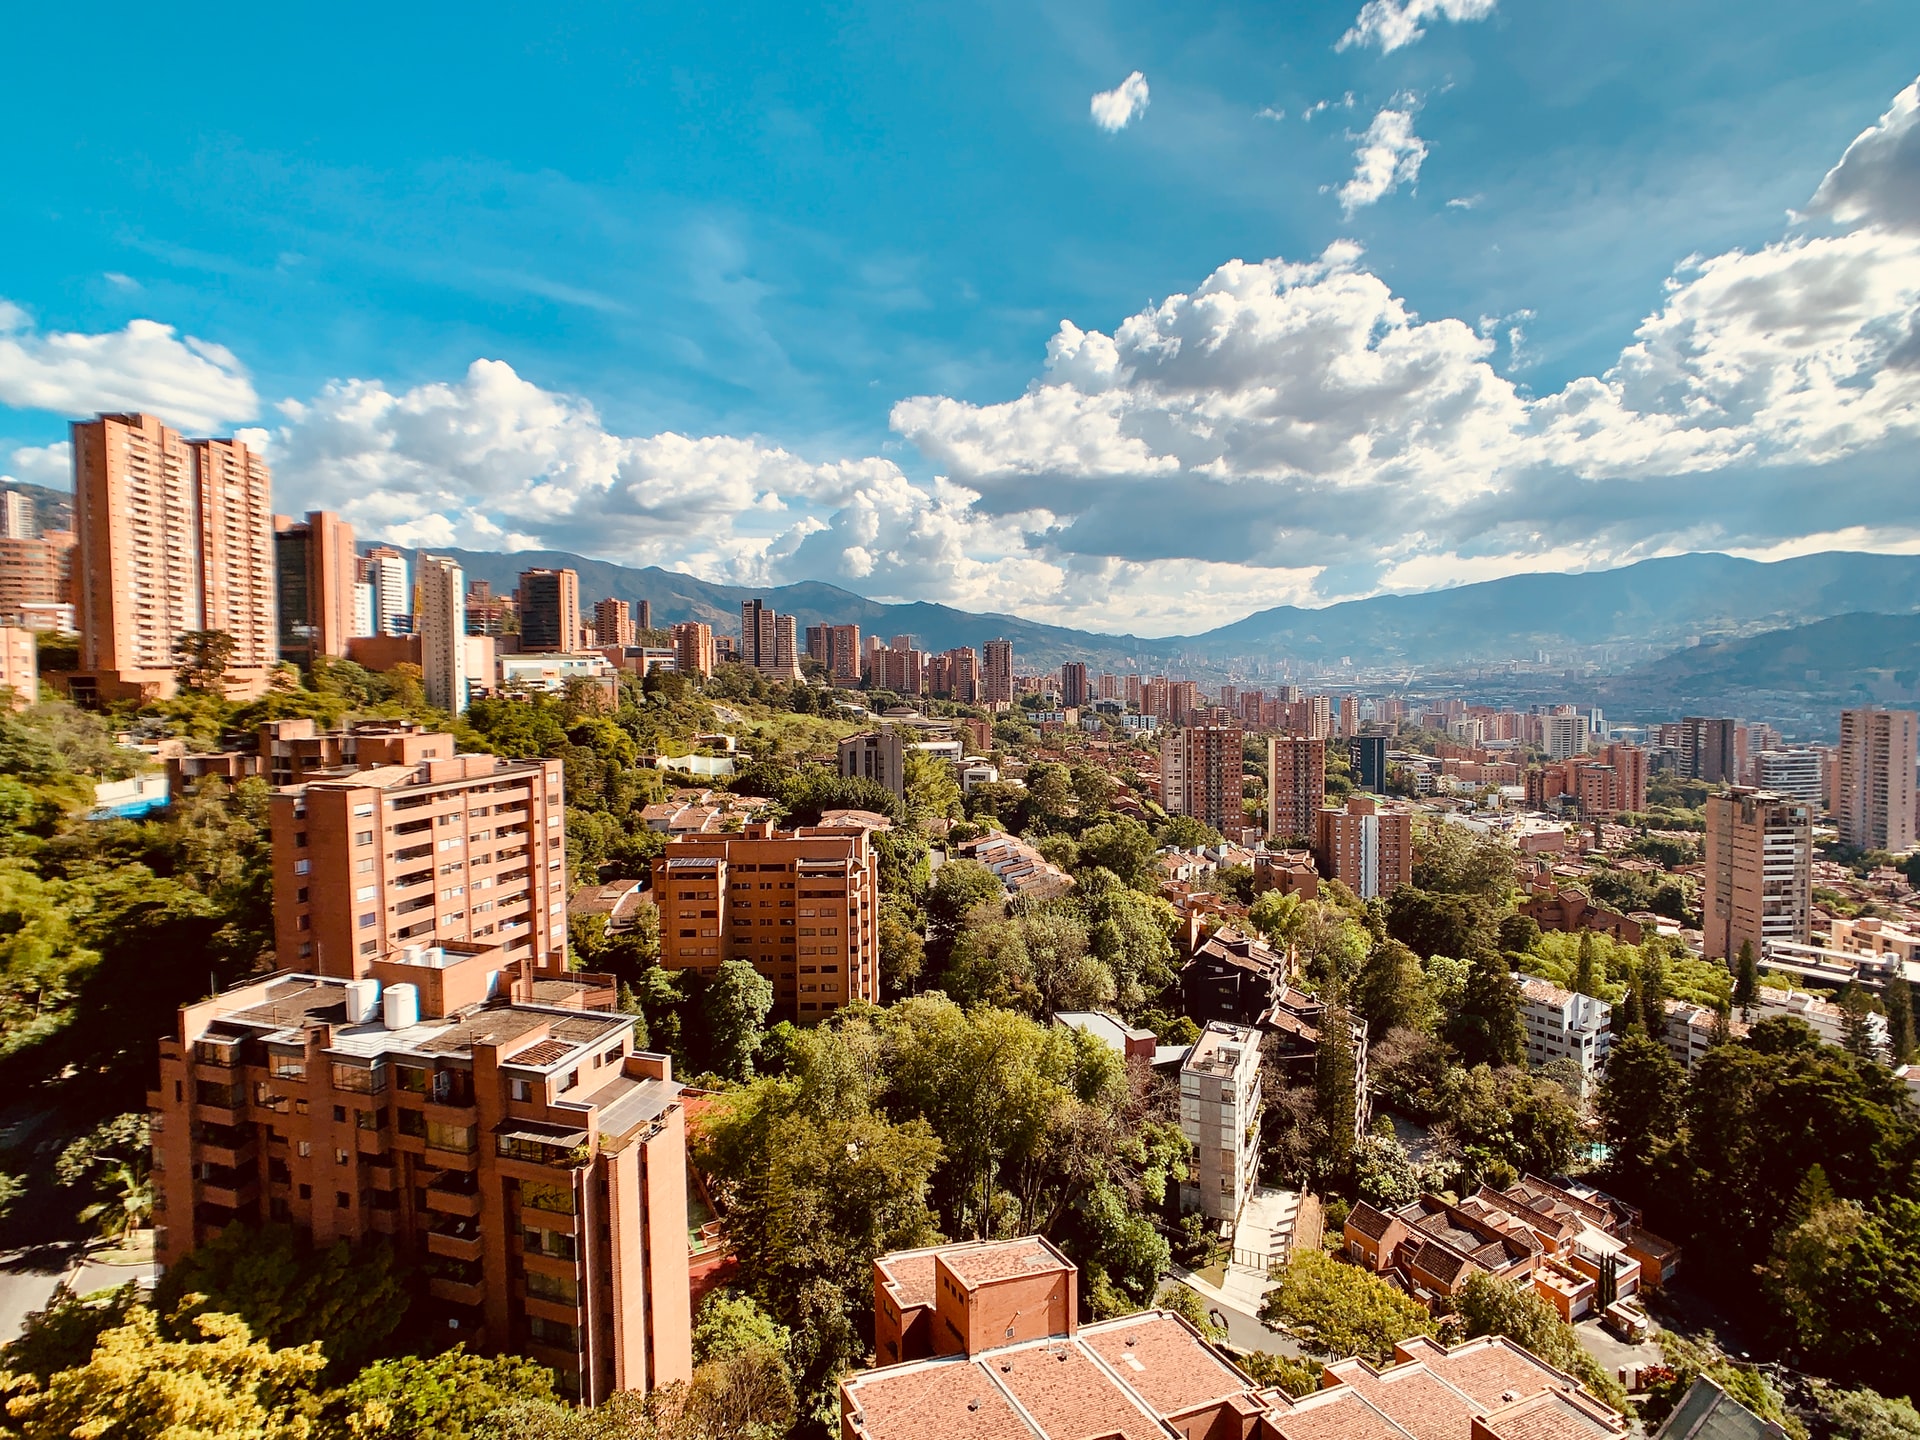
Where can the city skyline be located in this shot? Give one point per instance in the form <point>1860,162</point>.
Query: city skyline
<point>1254,404</point>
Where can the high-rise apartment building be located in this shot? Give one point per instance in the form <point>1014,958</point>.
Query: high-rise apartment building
<point>1566,736</point>
<point>612,623</point>
<point>522,1152</point>
<point>801,905</point>
<point>768,641</point>
<point>1758,885</point>
<point>17,520</point>
<point>364,609</point>
<point>418,844</point>
<point>693,648</point>
<point>1797,774</point>
<point>315,568</point>
<point>549,610</point>
<point>385,569</point>
<point>441,622</point>
<point>1874,803</point>
<point>1366,847</point>
<point>642,616</point>
<point>955,675</point>
<point>1712,749</point>
<point>1200,774</point>
<point>36,576</point>
<point>1367,761</point>
<point>175,535</point>
<point>996,680</point>
<point>1296,786</point>
<point>19,667</point>
<point>1073,684</point>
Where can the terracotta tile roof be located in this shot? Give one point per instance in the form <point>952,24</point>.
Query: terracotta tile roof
<point>1068,1395</point>
<point>1163,1362</point>
<point>1415,1399</point>
<point>543,1052</point>
<point>1333,1415</point>
<point>1439,1262</point>
<point>951,1397</point>
<point>912,1277</point>
<point>1368,1221</point>
<point>1551,1415</point>
<point>1491,1368</point>
<point>978,1264</point>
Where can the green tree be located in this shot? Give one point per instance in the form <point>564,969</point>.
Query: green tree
<point>1856,1030</point>
<point>1336,1310</point>
<point>449,1396</point>
<point>346,1299</point>
<point>1639,1106</point>
<point>1486,1029</point>
<point>1587,972</point>
<point>737,1002</point>
<point>1335,1098</point>
<point>214,1382</point>
<point>1455,860</point>
<point>1432,923</point>
<point>1868,1415</point>
<point>1390,991</point>
<point>1383,1173</point>
<point>1184,832</point>
<point>1746,984</point>
<point>201,658</point>
<point>1898,1001</point>
<point>1123,847</point>
<point>903,955</point>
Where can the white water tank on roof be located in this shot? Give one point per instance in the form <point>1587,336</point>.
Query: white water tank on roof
<point>400,1006</point>
<point>363,999</point>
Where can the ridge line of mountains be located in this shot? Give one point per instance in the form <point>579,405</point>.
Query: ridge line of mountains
<point>1658,621</point>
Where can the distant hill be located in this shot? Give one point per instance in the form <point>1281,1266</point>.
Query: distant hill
<point>1805,670</point>
<point>1669,601</point>
<point>52,509</point>
<point>1654,605</point>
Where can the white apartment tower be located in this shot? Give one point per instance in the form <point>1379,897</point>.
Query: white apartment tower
<point>442,626</point>
<point>1874,799</point>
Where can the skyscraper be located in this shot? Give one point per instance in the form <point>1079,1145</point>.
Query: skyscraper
<point>314,574</point>
<point>1200,774</point>
<point>442,626</point>
<point>1711,750</point>
<point>693,648</point>
<point>549,610</point>
<point>612,623</point>
<point>996,682</point>
<point>175,535</point>
<point>386,572</point>
<point>1073,684</point>
<point>1365,847</point>
<point>16,517</point>
<point>1874,803</point>
<point>768,641</point>
<point>1296,786</point>
<point>1759,872</point>
<point>1367,759</point>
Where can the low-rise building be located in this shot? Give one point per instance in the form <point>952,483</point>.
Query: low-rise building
<point>1233,977</point>
<point>1565,1025</point>
<point>1220,1114</point>
<point>880,756</point>
<point>1127,1041</point>
<point>1291,1032</point>
<point>1022,869</point>
<point>19,666</point>
<point>521,1151</point>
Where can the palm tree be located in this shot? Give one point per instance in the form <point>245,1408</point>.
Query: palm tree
<point>128,1209</point>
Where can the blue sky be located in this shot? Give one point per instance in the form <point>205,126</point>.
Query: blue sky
<point>713,253</point>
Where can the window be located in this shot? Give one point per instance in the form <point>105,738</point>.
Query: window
<point>572,1080</point>
<point>543,1331</point>
<point>302,867</point>
<point>561,1289</point>
<point>413,1123</point>
<point>557,1244</point>
<point>549,1199</point>
<point>342,1200</point>
<point>287,1067</point>
<point>360,1079</point>
<point>366,921</point>
<point>457,1138</point>
<point>363,837</point>
<point>519,1089</point>
<point>340,1157</point>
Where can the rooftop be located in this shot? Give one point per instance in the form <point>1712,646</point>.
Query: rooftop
<point>1223,1049</point>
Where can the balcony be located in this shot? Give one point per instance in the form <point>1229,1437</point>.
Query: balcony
<point>456,1292</point>
<point>233,1193</point>
<point>455,1246</point>
<point>457,1194</point>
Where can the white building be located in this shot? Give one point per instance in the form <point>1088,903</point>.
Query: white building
<point>978,771</point>
<point>387,574</point>
<point>442,625</point>
<point>1564,1025</point>
<point>1220,1115</point>
<point>1567,735</point>
<point>363,608</point>
<point>1689,1031</point>
<point>1792,773</point>
<point>880,756</point>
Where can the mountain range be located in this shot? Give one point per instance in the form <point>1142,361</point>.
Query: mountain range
<point>1641,611</point>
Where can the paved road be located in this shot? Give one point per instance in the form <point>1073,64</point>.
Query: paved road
<point>28,1279</point>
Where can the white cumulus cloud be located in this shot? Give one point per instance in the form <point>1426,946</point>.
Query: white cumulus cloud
<point>1877,181</point>
<point>144,366</point>
<point>1389,24</point>
<point>1115,109</point>
<point>1389,156</point>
